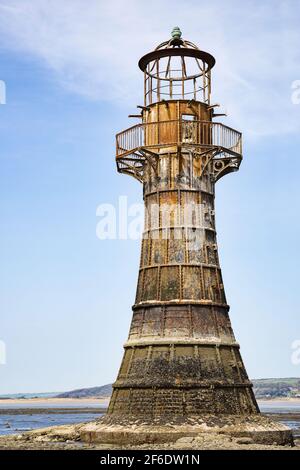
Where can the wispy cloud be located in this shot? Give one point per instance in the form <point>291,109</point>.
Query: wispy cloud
<point>93,47</point>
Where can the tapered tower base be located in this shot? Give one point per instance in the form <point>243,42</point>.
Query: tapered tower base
<point>109,430</point>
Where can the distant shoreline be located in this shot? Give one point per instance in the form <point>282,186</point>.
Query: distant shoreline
<point>53,401</point>
<point>28,406</point>
<point>48,403</point>
<point>52,411</point>
<point>276,399</point>
<point>103,401</point>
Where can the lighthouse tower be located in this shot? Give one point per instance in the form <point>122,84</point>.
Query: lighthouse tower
<point>182,369</point>
<point>181,357</point>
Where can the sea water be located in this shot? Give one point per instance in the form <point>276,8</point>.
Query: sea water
<point>17,424</point>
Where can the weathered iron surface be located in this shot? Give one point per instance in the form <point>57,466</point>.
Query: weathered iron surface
<point>181,357</point>
<point>181,361</point>
<point>182,373</point>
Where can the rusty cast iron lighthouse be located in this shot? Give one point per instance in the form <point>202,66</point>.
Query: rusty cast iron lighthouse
<point>181,357</point>
<point>182,371</point>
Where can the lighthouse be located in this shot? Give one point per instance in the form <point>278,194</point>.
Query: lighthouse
<point>182,372</point>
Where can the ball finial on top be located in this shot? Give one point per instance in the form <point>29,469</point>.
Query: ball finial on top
<point>176,33</point>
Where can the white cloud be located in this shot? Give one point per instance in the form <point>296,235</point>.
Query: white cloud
<point>93,47</point>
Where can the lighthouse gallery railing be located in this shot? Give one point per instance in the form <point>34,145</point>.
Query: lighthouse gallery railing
<point>178,132</point>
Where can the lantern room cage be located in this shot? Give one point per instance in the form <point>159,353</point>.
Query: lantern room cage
<point>177,69</point>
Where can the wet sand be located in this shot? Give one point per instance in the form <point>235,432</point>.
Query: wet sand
<point>53,402</point>
<point>48,411</point>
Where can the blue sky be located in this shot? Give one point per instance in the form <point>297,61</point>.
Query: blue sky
<point>72,78</point>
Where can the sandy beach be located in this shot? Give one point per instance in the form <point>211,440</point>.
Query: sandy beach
<point>289,400</point>
<point>103,402</point>
<point>93,402</point>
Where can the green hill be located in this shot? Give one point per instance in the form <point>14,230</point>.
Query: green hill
<point>277,388</point>
<point>93,392</point>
